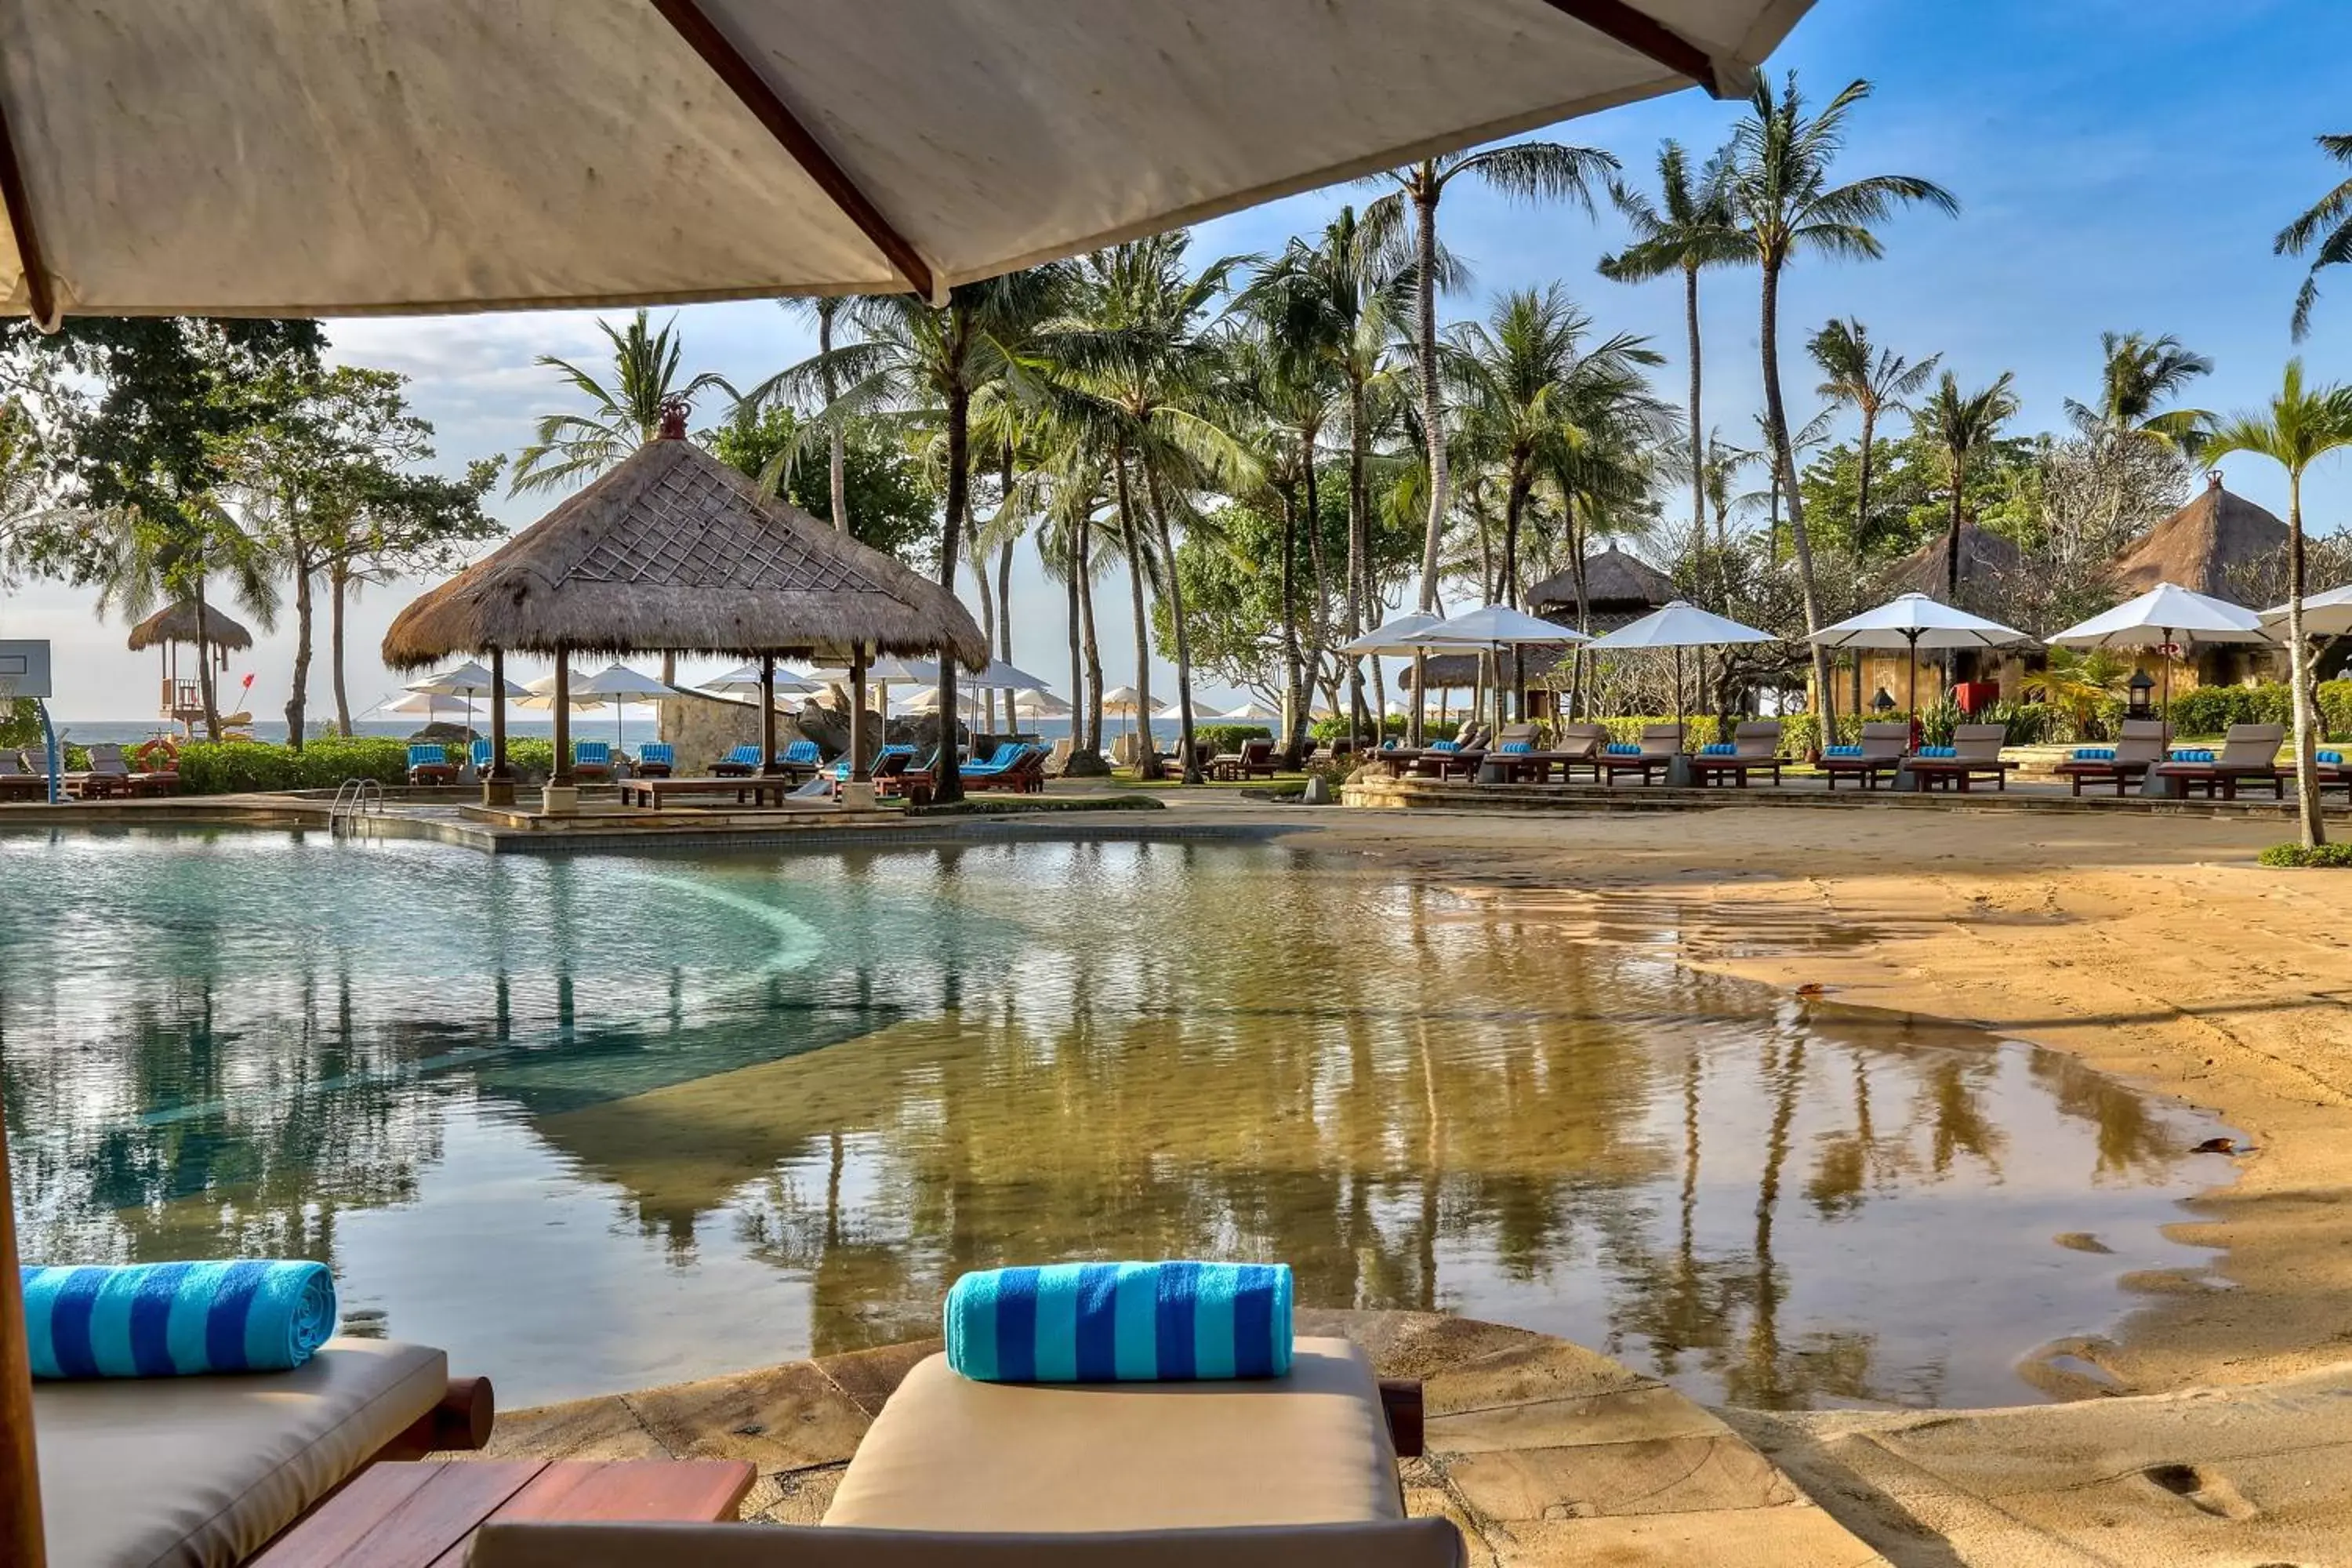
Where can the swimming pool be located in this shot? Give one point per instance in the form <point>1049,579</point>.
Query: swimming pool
<point>600,1122</point>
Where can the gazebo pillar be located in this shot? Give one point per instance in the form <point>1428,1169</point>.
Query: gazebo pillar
<point>859,789</point>
<point>767,713</point>
<point>563,796</point>
<point>498,784</point>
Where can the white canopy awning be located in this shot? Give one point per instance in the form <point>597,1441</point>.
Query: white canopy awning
<point>621,684</point>
<point>2327,614</point>
<point>468,679</point>
<point>1916,621</point>
<point>488,154</point>
<point>1390,636</point>
<point>1493,625</point>
<point>2167,612</point>
<point>1678,624</point>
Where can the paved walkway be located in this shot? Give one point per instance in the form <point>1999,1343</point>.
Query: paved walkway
<point>1543,1452</point>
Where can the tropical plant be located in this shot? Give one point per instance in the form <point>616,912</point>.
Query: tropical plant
<point>1687,229</point>
<point>1871,380</point>
<point>2137,373</point>
<point>1962,425</point>
<point>624,406</point>
<point>2302,426</point>
<point>1522,171</point>
<point>2324,233</point>
<point>1776,183</point>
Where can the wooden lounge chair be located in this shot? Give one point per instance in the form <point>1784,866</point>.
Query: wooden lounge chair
<point>1459,758</point>
<point>18,782</point>
<point>1255,759</point>
<point>656,760</point>
<point>591,760</point>
<point>737,763</point>
<point>2139,748</point>
<point>430,765</point>
<point>2249,756</point>
<point>482,754</point>
<point>1755,749</point>
<point>1975,755</point>
<point>2335,773</point>
<point>798,761</point>
<point>108,775</point>
<point>1023,771</point>
<point>888,761</point>
<point>1298,1471</point>
<point>1661,744</point>
<point>208,1469</point>
<point>1576,747</point>
<point>1879,756</point>
<point>903,779</point>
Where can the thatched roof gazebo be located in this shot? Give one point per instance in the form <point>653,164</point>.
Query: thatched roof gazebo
<point>2198,546</point>
<point>673,551</point>
<point>177,622</point>
<point>1988,561</point>
<point>1620,589</point>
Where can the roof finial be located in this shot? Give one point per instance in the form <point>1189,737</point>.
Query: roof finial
<point>2212,478</point>
<point>673,418</point>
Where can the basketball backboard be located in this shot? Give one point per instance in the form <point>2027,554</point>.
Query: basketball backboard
<point>24,669</point>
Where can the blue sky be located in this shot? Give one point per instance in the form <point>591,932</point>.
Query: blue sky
<point>2120,164</point>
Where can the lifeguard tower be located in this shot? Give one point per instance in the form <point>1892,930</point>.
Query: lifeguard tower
<point>174,627</point>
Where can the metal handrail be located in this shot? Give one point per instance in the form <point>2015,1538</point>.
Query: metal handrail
<point>358,802</point>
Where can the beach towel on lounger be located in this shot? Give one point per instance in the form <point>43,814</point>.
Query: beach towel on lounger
<point>176,1319</point>
<point>1121,1322</point>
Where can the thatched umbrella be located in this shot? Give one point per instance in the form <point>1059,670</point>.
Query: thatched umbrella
<point>208,632</point>
<point>675,552</point>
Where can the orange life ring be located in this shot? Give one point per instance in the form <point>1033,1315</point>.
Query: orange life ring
<point>147,754</point>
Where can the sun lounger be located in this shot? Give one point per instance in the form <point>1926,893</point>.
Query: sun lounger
<point>1298,1471</point>
<point>1255,759</point>
<point>742,759</point>
<point>483,754</point>
<point>2334,772</point>
<point>108,775</point>
<point>1578,746</point>
<point>1461,757</point>
<point>888,761</point>
<point>1879,756</point>
<point>2249,755</point>
<point>1755,748</point>
<point>2137,750</point>
<point>1661,744</point>
<point>800,760</point>
<point>1023,772</point>
<point>656,760</point>
<point>430,765</point>
<point>208,1469</point>
<point>18,782</point>
<point>1973,755</point>
<point>591,759</point>
<point>903,779</point>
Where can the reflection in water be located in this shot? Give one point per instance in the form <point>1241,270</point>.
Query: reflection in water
<point>599,1122</point>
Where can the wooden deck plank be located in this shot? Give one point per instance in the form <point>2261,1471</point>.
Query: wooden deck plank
<point>401,1515</point>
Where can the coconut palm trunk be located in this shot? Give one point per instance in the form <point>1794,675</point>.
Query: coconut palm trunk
<point>1784,466</point>
<point>1147,760</point>
<point>296,697</point>
<point>1432,421</point>
<point>1084,567</point>
<point>1293,676</point>
<point>1697,438</point>
<point>1173,588</point>
<point>2300,657</point>
<point>338,588</point>
<point>205,683</point>
<point>1358,547</point>
<point>947,786</point>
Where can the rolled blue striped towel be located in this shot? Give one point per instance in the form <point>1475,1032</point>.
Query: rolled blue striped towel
<point>176,1319</point>
<point>2094,753</point>
<point>2193,756</point>
<point>2335,757</point>
<point>1840,750</point>
<point>1121,1322</point>
<point>1719,749</point>
<point>1939,750</point>
<point>1624,749</point>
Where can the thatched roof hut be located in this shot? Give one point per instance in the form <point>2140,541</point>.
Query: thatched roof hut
<point>675,552</point>
<point>177,624</point>
<point>1621,589</point>
<point>2197,545</point>
<point>1987,560</point>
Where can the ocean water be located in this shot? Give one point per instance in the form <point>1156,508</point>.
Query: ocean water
<point>634,729</point>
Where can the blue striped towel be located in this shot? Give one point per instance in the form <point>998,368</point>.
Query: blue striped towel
<point>176,1319</point>
<point>1624,749</point>
<point>2193,756</point>
<point>2094,753</point>
<point>1121,1322</point>
<point>1719,749</point>
<point>1939,750</point>
<point>2334,757</point>
<point>1840,750</point>
<point>1518,748</point>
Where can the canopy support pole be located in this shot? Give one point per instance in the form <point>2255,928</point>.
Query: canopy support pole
<point>701,34</point>
<point>562,777</point>
<point>860,770</point>
<point>1646,36</point>
<point>498,789</point>
<point>39,293</point>
<point>767,713</point>
<point>20,1474</point>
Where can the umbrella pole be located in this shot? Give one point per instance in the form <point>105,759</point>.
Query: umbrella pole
<point>20,1476</point>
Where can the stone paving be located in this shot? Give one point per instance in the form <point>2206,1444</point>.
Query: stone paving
<point>1541,1451</point>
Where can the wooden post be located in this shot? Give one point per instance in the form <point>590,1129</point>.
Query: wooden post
<point>860,769</point>
<point>767,713</point>
<point>562,778</point>
<point>20,1474</point>
<point>498,714</point>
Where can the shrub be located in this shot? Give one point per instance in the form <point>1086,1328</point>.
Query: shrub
<point>237,767</point>
<point>1330,730</point>
<point>1229,737</point>
<point>2337,856</point>
<point>20,723</point>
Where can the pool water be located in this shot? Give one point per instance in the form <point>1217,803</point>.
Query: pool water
<point>593,1123</point>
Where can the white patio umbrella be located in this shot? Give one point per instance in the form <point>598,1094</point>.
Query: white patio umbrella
<point>1495,627</point>
<point>2327,614</point>
<point>343,157</point>
<point>743,681</point>
<point>467,681</point>
<point>620,686</point>
<point>1394,636</point>
<point>1678,624</point>
<point>1040,705</point>
<point>1913,621</point>
<point>1125,700</point>
<point>2165,617</point>
<point>1253,712</point>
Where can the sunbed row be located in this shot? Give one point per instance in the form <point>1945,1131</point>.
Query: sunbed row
<point>109,776</point>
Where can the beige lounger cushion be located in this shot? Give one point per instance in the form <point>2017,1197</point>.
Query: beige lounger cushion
<point>947,1454</point>
<point>203,1470</point>
<point>1404,1543</point>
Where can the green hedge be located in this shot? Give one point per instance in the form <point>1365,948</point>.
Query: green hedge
<point>2338,855</point>
<point>2211,710</point>
<point>236,767</point>
<point>1330,730</point>
<point>1229,737</point>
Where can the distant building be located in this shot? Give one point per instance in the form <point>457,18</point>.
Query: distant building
<point>1621,589</point>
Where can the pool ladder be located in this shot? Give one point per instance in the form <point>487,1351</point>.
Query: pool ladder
<point>358,809</point>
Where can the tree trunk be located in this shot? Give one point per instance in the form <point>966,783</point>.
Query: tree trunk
<point>836,458</point>
<point>1785,465</point>
<point>948,786</point>
<point>1005,601</point>
<point>1077,667</point>
<point>205,684</point>
<point>1433,409</point>
<point>1294,681</point>
<point>1697,439</point>
<point>2299,666</point>
<point>1359,549</point>
<point>987,634</point>
<point>1952,532</point>
<point>339,582</point>
<point>1862,486</point>
<point>1093,710</point>
<point>296,699</point>
<point>1321,620</point>
<point>1175,593</point>
<point>1146,756</point>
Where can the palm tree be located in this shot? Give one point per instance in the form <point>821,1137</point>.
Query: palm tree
<point>1963,424</point>
<point>1689,227</point>
<point>2324,233</point>
<point>2138,373</point>
<point>922,366</point>
<point>1777,183</point>
<point>2302,426</point>
<point>144,565</point>
<point>826,311</point>
<point>626,414</point>
<point>1873,380</point>
<point>1524,171</point>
